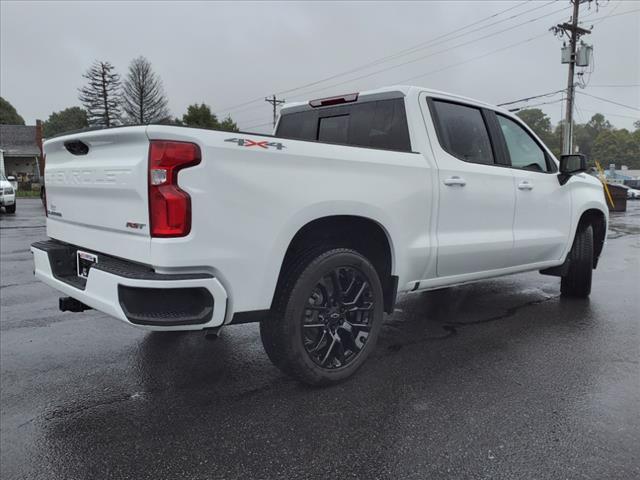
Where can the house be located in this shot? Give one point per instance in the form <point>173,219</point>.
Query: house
<point>21,153</point>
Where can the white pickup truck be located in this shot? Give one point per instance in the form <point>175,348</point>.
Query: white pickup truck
<point>312,231</point>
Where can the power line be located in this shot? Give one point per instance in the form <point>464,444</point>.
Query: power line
<point>526,107</point>
<point>478,57</point>
<point>426,44</point>
<point>610,114</point>
<point>260,125</point>
<point>630,85</point>
<point>482,56</point>
<point>609,101</point>
<point>417,47</point>
<point>531,98</point>
<point>434,53</point>
<point>492,52</point>
<point>606,17</point>
<point>404,52</point>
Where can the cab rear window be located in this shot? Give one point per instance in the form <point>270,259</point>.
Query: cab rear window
<point>378,124</point>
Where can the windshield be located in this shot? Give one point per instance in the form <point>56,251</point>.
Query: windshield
<point>3,178</point>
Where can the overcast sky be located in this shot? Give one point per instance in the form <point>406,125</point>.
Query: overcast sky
<point>225,54</point>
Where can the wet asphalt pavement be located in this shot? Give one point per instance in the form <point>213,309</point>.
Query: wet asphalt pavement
<point>502,379</point>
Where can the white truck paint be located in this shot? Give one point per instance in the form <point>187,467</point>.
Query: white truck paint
<point>447,221</point>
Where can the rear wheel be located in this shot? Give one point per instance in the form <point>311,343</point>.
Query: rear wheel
<point>577,281</point>
<point>326,316</point>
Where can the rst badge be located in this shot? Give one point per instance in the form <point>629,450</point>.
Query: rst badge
<point>136,225</point>
<point>247,142</point>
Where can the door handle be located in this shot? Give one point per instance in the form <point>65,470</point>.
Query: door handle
<point>525,185</point>
<point>455,180</point>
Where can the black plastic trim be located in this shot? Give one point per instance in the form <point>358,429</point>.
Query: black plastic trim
<point>559,271</point>
<point>76,147</point>
<point>166,306</point>
<point>62,259</point>
<point>252,316</point>
<point>498,143</point>
<point>390,294</point>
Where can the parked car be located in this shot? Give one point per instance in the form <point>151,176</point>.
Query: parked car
<point>633,194</point>
<point>312,231</point>
<point>7,195</point>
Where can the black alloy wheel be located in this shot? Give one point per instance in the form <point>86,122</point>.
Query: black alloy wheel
<point>338,317</point>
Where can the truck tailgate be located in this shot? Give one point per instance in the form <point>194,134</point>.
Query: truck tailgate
<point>97,195</point>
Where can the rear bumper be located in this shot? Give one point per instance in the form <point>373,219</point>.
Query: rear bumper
<point>133,293</point>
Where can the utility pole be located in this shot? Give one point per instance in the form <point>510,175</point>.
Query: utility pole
<point>573,31</point>
<point>274,102</point>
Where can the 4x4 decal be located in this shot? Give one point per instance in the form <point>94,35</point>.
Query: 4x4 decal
<point>246,142</point>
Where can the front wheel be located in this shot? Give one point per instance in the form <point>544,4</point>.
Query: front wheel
<point>10,208</point>
<point>326,316</point>
<point>577,281</point>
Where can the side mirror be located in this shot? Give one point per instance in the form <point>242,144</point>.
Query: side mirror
<point>11,178</point>
<point>571,164</point>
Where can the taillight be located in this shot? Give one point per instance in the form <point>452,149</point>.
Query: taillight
<point>169,206</point>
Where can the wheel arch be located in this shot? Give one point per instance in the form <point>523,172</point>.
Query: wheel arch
<point>598,220</point>
<point>363,234</point>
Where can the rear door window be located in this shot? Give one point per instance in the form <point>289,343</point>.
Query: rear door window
<point>462,132</point>
<point>378,124</point>
<point>298,126</point>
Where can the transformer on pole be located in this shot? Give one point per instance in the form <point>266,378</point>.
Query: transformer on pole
<point>568,55</point>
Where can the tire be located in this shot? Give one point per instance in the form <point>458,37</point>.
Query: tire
<point>315,332</point>
<point>577,282</point>
<point>10,208</point>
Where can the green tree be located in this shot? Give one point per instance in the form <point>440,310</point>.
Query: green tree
<point>69,119</point>
<point>8,114</point>
<point>636,125</point>
<point>589,132</point>
<point>229,125</point>
<point>617,146</point>
<point>201,116</point>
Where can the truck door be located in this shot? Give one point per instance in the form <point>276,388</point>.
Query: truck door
<point>476,192</point>
<point>542,219</point>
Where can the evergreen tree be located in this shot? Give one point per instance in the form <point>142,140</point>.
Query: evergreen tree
<point>144,98</point>
<point>101,96</point>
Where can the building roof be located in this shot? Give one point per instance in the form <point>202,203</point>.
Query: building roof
<point>18,141</point>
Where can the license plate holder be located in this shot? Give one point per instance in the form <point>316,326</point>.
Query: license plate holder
<point>84,262</point>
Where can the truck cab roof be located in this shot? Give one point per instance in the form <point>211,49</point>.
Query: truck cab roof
<point>391,91</point>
